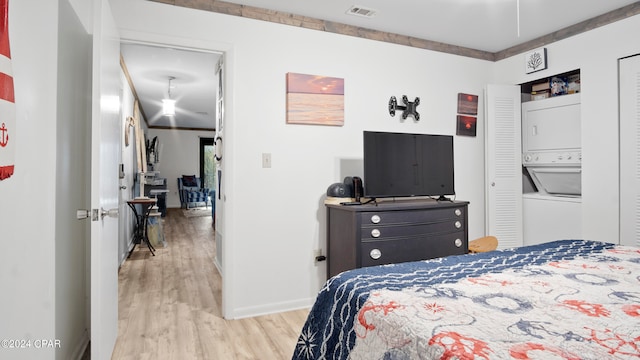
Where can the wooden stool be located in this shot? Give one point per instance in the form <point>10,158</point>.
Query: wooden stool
<point>483,244</point>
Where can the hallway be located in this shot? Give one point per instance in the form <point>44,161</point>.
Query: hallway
<point>170,304</point>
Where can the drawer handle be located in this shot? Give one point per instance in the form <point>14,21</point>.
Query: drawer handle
<point>458,212</point>
<point>375,254</point>
<point>375,219</point>
<point>458,224</point>
<point>375,233</point>
<point>458,242</point>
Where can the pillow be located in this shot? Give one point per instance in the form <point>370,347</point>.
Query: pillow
<point>189,181</point>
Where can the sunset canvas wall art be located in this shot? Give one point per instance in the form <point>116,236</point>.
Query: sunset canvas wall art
<point>314,99</point>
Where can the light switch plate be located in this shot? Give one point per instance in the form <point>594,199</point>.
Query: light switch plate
<point>266,160</point>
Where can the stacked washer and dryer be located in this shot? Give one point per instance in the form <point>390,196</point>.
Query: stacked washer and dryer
<point>552,157</point>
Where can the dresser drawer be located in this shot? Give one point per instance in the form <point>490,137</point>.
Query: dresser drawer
<point>412,248</point>
<point>411,216</point>
<point>381,232</point>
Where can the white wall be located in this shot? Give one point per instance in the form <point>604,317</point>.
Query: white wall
<point>596,54</point>
<point>72,191</point>
<point>28,197</point>
<point>179,155</point>
<point>274,218</point>
<point>129,165</point>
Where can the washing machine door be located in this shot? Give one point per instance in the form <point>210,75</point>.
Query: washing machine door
<point>563,181</point>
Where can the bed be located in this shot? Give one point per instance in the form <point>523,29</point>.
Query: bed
<point>568,299</point>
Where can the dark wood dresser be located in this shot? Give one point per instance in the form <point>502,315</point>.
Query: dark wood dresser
<point>394,231</point>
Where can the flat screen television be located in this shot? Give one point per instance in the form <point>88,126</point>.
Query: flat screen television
<point>402,165</point>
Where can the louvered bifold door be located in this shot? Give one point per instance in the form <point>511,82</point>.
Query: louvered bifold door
<point>630,151</point>
<point>503,165</point>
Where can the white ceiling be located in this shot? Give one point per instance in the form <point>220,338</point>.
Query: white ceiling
<point>194,87</point>
<point>487,25</point>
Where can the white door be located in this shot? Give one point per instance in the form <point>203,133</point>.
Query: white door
<point>630,151</point>
<point>503,164</point>
<point>105,148</point>
<point>219,198</point>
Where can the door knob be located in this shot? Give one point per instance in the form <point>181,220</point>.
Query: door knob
<point>122,187</point>
<point>110,213</point>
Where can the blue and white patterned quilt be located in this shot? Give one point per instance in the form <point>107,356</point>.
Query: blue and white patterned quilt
<point>569,299</point>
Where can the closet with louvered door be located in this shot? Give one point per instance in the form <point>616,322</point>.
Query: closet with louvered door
<point>630,150</point>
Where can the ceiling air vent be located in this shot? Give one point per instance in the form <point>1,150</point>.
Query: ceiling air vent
<point>361,11</point>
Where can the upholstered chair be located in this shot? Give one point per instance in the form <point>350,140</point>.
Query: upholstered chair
<point>191,191</point>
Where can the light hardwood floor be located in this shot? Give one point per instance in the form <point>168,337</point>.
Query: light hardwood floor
<point>170,304</point>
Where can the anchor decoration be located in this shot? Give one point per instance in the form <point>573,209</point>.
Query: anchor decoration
<point>4,136</point>
<point>7,98</point>
<point>409,108</point>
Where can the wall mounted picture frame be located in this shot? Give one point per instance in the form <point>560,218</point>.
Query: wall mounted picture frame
<point>315,100</point>
<point>466,125</point>
<point>535,60</point>
<point>467,104</point>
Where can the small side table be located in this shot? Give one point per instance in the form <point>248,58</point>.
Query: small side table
<point>140,234</point>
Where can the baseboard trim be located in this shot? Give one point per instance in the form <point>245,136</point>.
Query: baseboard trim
<point>123,257</point>
<point>218,266</point>
<point>274,308</point>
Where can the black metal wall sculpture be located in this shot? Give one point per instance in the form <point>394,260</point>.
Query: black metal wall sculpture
<point>409,108</point>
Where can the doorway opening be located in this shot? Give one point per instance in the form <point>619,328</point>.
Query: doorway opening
<point>186,138</point>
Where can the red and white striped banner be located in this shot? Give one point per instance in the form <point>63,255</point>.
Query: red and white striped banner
<point>7,98</point>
